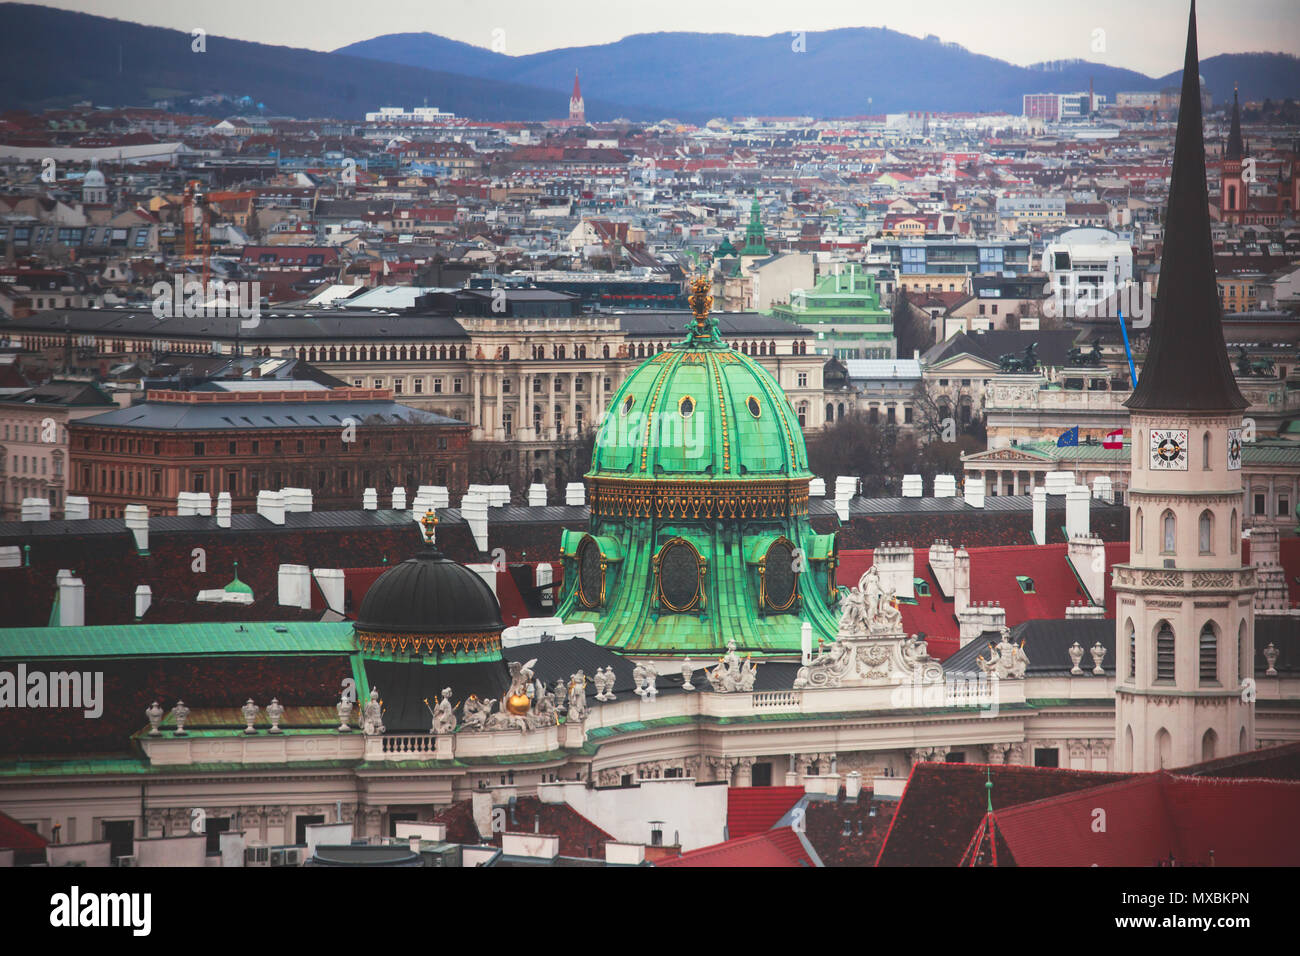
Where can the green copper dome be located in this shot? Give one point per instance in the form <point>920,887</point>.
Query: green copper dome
<point>703,411</point>
<point>699,531</point>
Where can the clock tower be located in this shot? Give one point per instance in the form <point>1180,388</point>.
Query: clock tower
<point>1185,622</point>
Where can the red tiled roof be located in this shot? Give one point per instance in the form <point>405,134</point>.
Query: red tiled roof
<point>15,836</point>
<point>943,803</point>
<point>771,848</point>
<point>755,809</point>
<point>1153,817</point>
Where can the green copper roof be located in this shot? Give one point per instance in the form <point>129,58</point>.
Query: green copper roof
<point>755,241</point>
<point>159,640</point>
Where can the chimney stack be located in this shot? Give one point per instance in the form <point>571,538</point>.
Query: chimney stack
<point>474,509</point>
<point>370,499</point>
<point>913,486</point>
<point>36,509</point>
<point>136,519</point>
<point>575,493</point>
<point>945,486</point>
<point>72,600</point>
<point>960,580</point>
<point>270,505</point>
<point>1077,500</point>
<point>76,508</point>
<point>223,509</point>
<point>399,499</point>
<point>537,495</point>
<point>143,600</point>
<point>974,491</point>
<point>1040,515</point>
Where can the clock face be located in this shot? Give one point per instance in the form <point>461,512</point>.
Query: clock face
<point>1234,449</point>
<point>1169,449</point>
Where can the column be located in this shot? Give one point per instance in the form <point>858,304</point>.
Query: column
<point>997,487</point>
<point>745,771</point>
<point>1015,482</point>
<point>548,413</point>
<point>571,426</point>
<point>474,411</point>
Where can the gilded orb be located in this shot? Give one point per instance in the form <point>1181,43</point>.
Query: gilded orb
<point>518,704</point>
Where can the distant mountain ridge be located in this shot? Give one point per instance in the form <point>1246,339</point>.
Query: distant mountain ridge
<point>845,72</point>
<point>51,57</point>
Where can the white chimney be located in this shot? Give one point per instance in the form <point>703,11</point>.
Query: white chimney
<point>1087,555</point>
<point>185,504</point>
<point>202,504</point>
<point>223,510</point>
<point>913,486</point>
<point>498,496</point>
<point>974,491</point>
<point>852,785</point>
<point>143,600</point>
<point>817,488</point>
<point>370,499</point>
<point>624,854</point>
<point>270,505</point>
<point>72,600</point>
<point>399,499</point>
<point>36,509</point>
<point>1077,500</point>
<point>1040,515</point>
<point>537,496</point>
<point>332,585</point>
<point>1083,610</point>
<point>941,565</point>
<point>575,493</point>
<point>978,618</point>
<point>805,642</point>
<point>136,518</point>
<point>294,586</point>
<point>474,509</point>
<point>894,560</point>
<point>1103,490</point>
<point>846,486</point>
<point>545,574</point>
<point>76,508</point>
<point>296,500</point>
<point>1059,482</point>
<point>960,580</point>
<point>945,486</point>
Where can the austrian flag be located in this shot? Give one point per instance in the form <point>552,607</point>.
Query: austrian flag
<point>1114,439</point>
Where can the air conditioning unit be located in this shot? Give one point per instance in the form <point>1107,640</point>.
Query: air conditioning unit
<point>126,861</point>
<point>258,855</point>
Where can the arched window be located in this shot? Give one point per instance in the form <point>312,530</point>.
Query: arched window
<point>1132,651</point>
<point>1205,532</point>
<point>311,355</point>
<point>1209,648</point>
<point>463,353</point>
<point>1205,451</point>
<point>1233,537</point>
<point>505,353</point>
<point>605,351</point>
<point>1128,747</point>
<point>1164,748</point>
<point>1169,533</point>
<point>762,348</point>
<point>424,352</point>
<point>771,348</point>
<point>1165,652</point>
<point>803,414</point>
<point>1245,664</point>
<point>830,413</point>
<point>1137,539</point>
<point>1209,743</point>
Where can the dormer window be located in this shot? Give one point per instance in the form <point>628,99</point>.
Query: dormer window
<point>1026,583</point>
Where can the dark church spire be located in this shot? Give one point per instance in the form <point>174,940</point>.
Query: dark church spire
<point>1187,366</point>
<point>1235,149</point>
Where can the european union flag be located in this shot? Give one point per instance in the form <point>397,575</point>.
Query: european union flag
<point>1068,437</point>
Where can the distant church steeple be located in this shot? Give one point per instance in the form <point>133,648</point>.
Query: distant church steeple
<point>1234,191</point>
<point>577,111</point>
<point>1185,613</point>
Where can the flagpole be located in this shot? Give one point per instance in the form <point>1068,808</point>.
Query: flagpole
<point>1128,350</point>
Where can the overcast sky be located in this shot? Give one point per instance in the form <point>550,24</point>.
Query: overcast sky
<point>1143,35</point>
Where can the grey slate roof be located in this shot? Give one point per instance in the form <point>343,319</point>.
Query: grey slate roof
<point>274,324</point>
<point>218,416</point>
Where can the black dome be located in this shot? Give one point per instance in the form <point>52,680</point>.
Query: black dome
<point>429,594</point>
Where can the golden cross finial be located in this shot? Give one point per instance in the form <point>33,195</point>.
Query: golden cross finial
<point>429,523</point>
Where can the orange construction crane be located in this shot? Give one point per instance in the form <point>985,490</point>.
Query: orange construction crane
<point>198,237</point>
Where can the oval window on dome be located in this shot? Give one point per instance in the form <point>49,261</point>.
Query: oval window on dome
<point>686,406</point>
<point>627,404</point>
<point>591,577</point>
<point>779,576</point>
<point>679,576</point>
<point>755,409</point>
